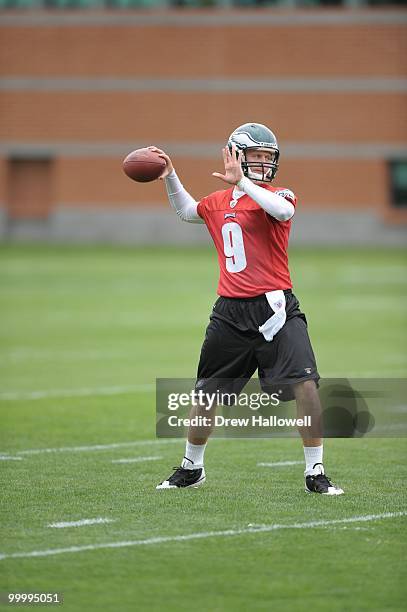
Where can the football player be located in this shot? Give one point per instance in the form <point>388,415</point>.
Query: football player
<point>256,323</point>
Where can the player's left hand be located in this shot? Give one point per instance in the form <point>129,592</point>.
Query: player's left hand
<point>233,166</point>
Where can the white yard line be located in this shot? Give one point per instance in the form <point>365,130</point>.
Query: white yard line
<point>10,458</point>
<point>96,447</point>
<point>280,463</point>
<point>148,387</point>
<point>81,523</point>
<point>85,392</point>
<point>135,459</point>
<point>373,276</point>
<point>382,374</point>
<point>397,305</point>
<point>33,354</point>
<point>102,447</point>
<point>401,409</point>
<point>202,535</point>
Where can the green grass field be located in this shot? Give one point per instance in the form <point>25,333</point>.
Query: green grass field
<point>85,332</point>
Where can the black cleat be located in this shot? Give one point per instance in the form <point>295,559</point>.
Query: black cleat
<point>182,479</point>
<point>320,483</point>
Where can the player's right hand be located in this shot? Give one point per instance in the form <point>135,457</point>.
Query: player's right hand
<point>168,163</point>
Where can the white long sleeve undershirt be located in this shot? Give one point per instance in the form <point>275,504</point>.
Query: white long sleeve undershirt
<point>181,201</point>
<point>274,204</point>
<point>186,207</point>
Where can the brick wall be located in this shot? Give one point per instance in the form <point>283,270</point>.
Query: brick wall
<point>331,84</point>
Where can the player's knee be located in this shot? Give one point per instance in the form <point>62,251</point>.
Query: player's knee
<point>305,388</point>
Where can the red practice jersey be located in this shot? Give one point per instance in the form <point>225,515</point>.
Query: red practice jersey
<point>251,244</point>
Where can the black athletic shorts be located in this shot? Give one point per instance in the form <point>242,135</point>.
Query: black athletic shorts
<point>234,348</point>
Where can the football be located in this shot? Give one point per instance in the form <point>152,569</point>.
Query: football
<point>143,165</point>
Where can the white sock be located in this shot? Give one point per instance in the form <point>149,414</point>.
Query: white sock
<point>194,456</point>
<point>313,455</point>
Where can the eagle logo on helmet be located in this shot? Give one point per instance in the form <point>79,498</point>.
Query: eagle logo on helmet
<point>256,136</point>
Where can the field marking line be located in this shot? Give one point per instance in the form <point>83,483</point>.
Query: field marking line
<point>135,459</point>
<point>97,447</point>
<point>149,387</point>
<point>10,458</point>
<point>84,392</point>
<point>353,303</point>
<point>401,409</point>
<point>279,463</point>
<point>81,523</point>
<point>32,354</point>
<point>202,535</point>
<point>367,374</point>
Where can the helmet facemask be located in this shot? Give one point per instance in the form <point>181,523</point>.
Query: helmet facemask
<point>263,172</point>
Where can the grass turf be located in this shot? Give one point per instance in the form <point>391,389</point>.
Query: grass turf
<point>95,318</point>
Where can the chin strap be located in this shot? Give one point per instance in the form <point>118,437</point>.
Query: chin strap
<point>264,176</point>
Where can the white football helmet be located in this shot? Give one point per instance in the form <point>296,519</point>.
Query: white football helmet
<point>256,136</point>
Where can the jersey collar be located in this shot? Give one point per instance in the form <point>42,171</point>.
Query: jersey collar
<point>237,193</point>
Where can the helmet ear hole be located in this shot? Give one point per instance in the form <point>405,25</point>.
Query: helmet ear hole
<point>237,150</point>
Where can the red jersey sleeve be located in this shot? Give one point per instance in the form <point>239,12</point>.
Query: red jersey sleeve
<point>287,194</point>
<point>201,208</point>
